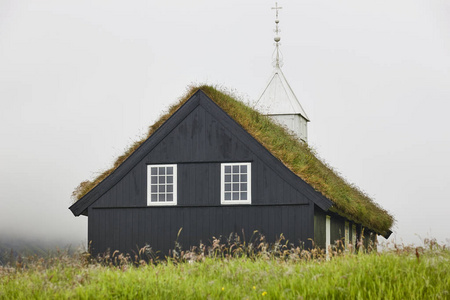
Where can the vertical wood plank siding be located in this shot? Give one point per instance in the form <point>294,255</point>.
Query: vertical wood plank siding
<point>337,230</point>
<point>198,156</point>
<point>129,229</point>
<point>198,138</point>
<point>319,227</point>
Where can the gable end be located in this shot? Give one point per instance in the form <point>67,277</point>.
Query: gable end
<point>200,98</point>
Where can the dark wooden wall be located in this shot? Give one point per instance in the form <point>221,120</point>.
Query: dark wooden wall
<point>203,139</point>
<point>337,229</point>
<point>129,229</point>
<point>319,227</point>
<point>369,240</point>
<point>198,145</point>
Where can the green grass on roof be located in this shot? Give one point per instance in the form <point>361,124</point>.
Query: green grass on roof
<point>349,201</point>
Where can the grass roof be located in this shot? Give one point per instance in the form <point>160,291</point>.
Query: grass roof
<point>349,201</point>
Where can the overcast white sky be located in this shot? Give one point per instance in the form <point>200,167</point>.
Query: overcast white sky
<point>81,79</point>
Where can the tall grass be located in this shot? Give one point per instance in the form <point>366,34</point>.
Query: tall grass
<point>399,273</point>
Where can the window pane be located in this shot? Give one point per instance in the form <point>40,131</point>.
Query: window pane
<point>235,184</point>
<point>161,185</point>
<point>154,171</point>
<point>227,178</point>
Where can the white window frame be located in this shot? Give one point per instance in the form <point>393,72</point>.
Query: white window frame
<point>249,184</point>
<point>149,185</point>
<point>328,236</point>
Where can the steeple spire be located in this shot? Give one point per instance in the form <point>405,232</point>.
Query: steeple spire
<point>278,61</point>
<point>277,100</point>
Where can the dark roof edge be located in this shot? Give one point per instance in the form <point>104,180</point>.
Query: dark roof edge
<point>387,234</point>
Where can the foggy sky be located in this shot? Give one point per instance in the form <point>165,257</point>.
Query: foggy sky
<point>81,80</point>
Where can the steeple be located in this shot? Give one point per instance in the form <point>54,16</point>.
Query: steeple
<point>278,100</point>
<point>277,62</point>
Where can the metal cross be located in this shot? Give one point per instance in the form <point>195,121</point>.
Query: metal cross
<point>276,8</point>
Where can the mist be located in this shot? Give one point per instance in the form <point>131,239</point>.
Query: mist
<point>82,80</point>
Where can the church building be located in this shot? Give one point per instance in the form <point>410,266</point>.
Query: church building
<point>278,100</point>
<point>215,166</point>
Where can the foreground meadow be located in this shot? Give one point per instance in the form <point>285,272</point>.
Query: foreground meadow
<point>399,273</point>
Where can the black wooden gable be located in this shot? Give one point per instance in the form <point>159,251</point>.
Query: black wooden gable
<point>198,137</point>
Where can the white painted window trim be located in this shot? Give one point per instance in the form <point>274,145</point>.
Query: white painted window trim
<point>149,184</point>
<point>222,184</point>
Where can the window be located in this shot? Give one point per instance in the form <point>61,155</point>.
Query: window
<point>162,185</point>
<point>235,183</point>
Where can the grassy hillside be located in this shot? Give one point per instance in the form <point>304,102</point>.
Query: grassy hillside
<point>402,273</point>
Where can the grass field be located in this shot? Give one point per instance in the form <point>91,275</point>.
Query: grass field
<point>399,273</point>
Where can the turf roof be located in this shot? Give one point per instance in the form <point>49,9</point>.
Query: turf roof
<point>348,200</point>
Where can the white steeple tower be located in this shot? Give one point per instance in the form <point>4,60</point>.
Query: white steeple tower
<point>278,100</point>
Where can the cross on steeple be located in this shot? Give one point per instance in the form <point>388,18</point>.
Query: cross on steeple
<point>278,100</point>
<point>277,8</point>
